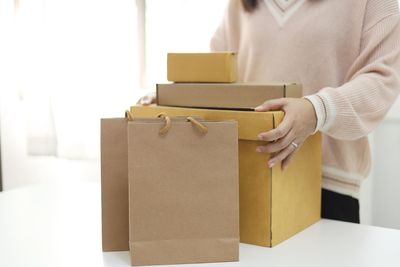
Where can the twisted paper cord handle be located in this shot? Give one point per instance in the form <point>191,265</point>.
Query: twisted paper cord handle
<point>201,127</point>
<point>167,125</point>
<point>128,115</point>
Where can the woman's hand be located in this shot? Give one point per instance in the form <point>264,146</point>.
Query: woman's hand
<point>147,99</point>
<point>299,123</point>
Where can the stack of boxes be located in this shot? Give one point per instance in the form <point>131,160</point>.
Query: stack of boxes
<point>274,204</point>
<point>208,81</point>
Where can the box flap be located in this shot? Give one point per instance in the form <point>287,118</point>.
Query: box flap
<point>250,123</point>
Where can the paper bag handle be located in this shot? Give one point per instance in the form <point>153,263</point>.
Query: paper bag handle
<point>128,115</point>
<point>199,126</point>
<point>167,125</point>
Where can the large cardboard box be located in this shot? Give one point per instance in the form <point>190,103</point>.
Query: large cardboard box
<point>202,67</point>
<point>274,204</point>
<point>223,95</point>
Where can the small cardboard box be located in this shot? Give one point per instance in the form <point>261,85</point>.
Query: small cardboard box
<point>202,67</point>
<point>222,95</point>
<point>274,205</point>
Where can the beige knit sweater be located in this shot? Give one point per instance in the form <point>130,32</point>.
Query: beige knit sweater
<point>346,53</point>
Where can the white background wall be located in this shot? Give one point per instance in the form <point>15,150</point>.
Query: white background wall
<point>78,59</point>
<point>386,182</point>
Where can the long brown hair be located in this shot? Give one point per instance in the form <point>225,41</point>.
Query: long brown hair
<point>250,5</point>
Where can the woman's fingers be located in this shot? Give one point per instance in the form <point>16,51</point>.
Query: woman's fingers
<point>283,154</point>
<point>286,161</point>
<point>275,104</point>
<point>147,99</point>
<point>275,134</point>
<point>278,145</point>
<point>299,123</point>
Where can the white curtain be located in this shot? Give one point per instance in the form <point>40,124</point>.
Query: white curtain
<point>76,62</point>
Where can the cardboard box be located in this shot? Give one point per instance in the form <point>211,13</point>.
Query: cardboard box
<point>202,67</point>
<point>222,95</point>
<point>274,205</point>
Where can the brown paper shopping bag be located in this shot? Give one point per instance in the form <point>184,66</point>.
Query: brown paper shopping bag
<point>183,191</point>
<point>114,184</point>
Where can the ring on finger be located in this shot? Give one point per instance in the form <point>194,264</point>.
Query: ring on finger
<point>295,145</point>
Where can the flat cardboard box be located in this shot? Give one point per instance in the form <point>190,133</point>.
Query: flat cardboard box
<point>274,205</point>
<point>223,95</point>
<point>202,67</point>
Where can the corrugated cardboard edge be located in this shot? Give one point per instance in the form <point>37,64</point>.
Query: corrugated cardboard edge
<point>231,60</point>
<point>274,123</point>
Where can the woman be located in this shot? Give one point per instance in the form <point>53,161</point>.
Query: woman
<point>346,53</point>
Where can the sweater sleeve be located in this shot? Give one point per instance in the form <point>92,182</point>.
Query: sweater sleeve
<point>356,108</point>
<point>226,36</point>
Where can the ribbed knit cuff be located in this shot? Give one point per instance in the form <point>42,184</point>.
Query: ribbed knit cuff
<point>320,110</point>
<point>327,96</point>
<point>325,108</point>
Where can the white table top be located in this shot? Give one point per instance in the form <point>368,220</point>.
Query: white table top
<point>59,225</point>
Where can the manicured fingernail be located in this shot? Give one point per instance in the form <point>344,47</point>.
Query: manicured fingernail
<point>258,149</point>
<point>271,163</point>
<point>260,137</point>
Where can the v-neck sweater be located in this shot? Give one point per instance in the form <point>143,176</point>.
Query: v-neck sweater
<point>283,4</point>
<point>345,53</point>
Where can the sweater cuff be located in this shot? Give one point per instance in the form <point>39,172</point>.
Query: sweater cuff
<point>327,96</point>
<point>325,109</point>
<point>320,110</point>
